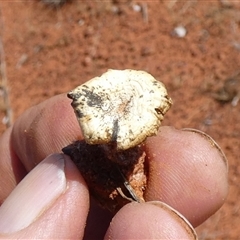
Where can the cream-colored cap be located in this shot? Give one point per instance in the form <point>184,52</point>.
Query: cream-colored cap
<point>121,106</point>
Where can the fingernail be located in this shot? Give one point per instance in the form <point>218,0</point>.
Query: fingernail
<point>33,195</point>
<point>211,142</point>
<point>189,230</point>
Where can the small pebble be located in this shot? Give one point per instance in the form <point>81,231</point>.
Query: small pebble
<point>180,31</point>
<point>136,7</point>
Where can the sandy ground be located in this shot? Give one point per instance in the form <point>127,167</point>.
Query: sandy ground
<point>192,46</point>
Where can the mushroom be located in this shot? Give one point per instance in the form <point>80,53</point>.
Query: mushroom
<point>121,106</point>
<point>116,112</point>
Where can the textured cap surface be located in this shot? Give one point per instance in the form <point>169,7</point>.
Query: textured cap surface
<point>122,106</point>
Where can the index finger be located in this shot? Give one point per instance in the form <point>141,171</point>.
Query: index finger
<point>44,129</point>
<point>40,131</point>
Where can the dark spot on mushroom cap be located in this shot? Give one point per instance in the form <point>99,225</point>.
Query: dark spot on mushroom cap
<point>158,111</point>
<point>74,96</point>
<point>79,113</point>
<point>92,98</point>
<point>115,130</point>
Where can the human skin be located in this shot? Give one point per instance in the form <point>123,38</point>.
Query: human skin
<point>187,171</point>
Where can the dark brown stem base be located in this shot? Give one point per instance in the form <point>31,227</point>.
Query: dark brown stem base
<point>112,183</point>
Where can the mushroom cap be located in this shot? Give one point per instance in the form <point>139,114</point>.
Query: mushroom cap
<point>121,106</point>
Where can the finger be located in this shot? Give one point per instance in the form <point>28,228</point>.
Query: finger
<point>11,169</point>
<point>149,221</point>
<point>40,131</point>
<point>188,171</point>
<point>50,202</point>
<point>44,129</point>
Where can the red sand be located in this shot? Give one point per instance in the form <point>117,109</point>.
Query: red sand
<point>50,51</point>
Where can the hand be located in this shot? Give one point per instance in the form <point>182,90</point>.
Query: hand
<point>187,171</point>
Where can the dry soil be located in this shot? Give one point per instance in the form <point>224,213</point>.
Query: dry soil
<point>192,46</point>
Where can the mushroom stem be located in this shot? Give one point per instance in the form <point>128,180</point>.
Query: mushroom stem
<point>118,157</point>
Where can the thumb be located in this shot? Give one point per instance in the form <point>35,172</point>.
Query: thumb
<point>50,202</point>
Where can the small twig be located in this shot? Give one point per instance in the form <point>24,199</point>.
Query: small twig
<point>4,80</point>
<point>129,188</point>
<point>145,12</point>
<point>123,195</point>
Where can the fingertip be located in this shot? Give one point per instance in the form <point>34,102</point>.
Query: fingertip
<point>52,201</point>
<point>153,220</point>
<point>66,218</point>
<point>188,172</point>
